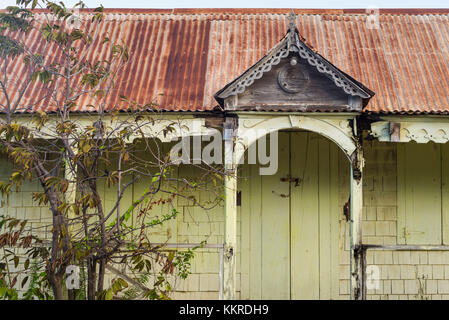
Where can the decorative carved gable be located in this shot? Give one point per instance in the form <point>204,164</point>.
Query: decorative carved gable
<point>292,76</point>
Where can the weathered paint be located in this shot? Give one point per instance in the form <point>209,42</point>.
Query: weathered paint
<point>180,58</point>
<point>336,129</point>
<point>274,233</point>
<point>381,194</point>
<point>421,131</point>
<point>289,246</point>
<point>314,217</point>
<point>419,182</point>
<point>399,266</point>
<point>445,192</point>
<point>305,218</point>
<point>356,185</point>
<point>230,189</point>
<point>153,126</point>
<point>269,84</point>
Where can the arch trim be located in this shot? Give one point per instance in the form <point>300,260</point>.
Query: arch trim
<point>252,128</point>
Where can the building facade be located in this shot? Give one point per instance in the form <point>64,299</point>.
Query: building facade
<point>359,204</point>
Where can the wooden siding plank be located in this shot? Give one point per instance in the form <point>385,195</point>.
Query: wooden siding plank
<point>445,192</point>
<point>255,221</point>
<point>315,90</point>
<point>334,212</point>
<point>328,218</point>
<point>275,228</point>
<point>325,219</point>
<point>313,262</point>
<point>304,218</point>
<point>245,227</point>
<point>401,194</point>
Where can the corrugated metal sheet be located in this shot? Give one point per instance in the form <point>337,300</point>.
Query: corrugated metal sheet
<point>181,57</point>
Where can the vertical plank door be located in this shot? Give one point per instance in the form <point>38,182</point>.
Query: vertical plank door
<point>289,247</point>
<point>314,217</point>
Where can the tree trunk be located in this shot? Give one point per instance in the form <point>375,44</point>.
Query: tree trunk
<point>91,277</point>
<point>56,285</point>
<point>101,272</point>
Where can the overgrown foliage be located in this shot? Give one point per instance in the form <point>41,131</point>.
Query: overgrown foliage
<point>75,158</point>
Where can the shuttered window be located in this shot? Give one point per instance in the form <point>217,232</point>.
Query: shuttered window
<point>421,183</point>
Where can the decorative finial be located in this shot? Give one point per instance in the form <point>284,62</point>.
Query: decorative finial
<point>292,21</point>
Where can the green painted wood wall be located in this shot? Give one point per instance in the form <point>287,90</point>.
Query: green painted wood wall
<point>423,196</point>
<point>289,232</point>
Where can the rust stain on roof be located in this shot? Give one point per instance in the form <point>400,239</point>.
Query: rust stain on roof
<point>181,57</point>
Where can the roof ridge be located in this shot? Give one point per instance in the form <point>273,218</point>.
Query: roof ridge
<point>274,11</point>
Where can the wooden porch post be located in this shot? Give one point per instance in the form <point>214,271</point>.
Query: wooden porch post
<point>230,227</point>
<point>357,267</point>
<point>229,267</point>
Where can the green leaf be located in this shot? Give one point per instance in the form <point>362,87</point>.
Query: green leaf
<point>3,291</point>
<point>24,281</point>
<point>123,283</point>
<point>117,286</point>
<point>16,261</point>
<point>108,295</point>
<point>77,34</point>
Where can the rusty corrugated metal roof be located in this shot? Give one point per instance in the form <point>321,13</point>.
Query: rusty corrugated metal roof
<point>181,57</point>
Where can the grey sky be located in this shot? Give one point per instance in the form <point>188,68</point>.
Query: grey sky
<point>256,3</point>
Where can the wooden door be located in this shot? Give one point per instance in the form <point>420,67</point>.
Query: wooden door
<point>289,230</point>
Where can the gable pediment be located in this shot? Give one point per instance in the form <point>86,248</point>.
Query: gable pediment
<point>292,76</point>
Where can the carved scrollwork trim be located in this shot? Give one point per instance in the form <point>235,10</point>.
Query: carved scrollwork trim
<point>325,67</point>
<point>336,130</point>
<point>283,49</point>
<point>425,135</point>
<point>257,73</point>
<point>420,132</point>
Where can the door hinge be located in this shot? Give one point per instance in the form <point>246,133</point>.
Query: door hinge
<point>408,233</point>
<point>347,209</point>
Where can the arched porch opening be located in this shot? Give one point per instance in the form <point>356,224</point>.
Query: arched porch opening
<point>289,222</point>
<point>340,133</point>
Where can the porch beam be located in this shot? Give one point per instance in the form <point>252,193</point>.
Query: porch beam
<point>405,247</point>
<point>153,127</point>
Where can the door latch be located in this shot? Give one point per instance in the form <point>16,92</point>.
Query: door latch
<point>291,179</point>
